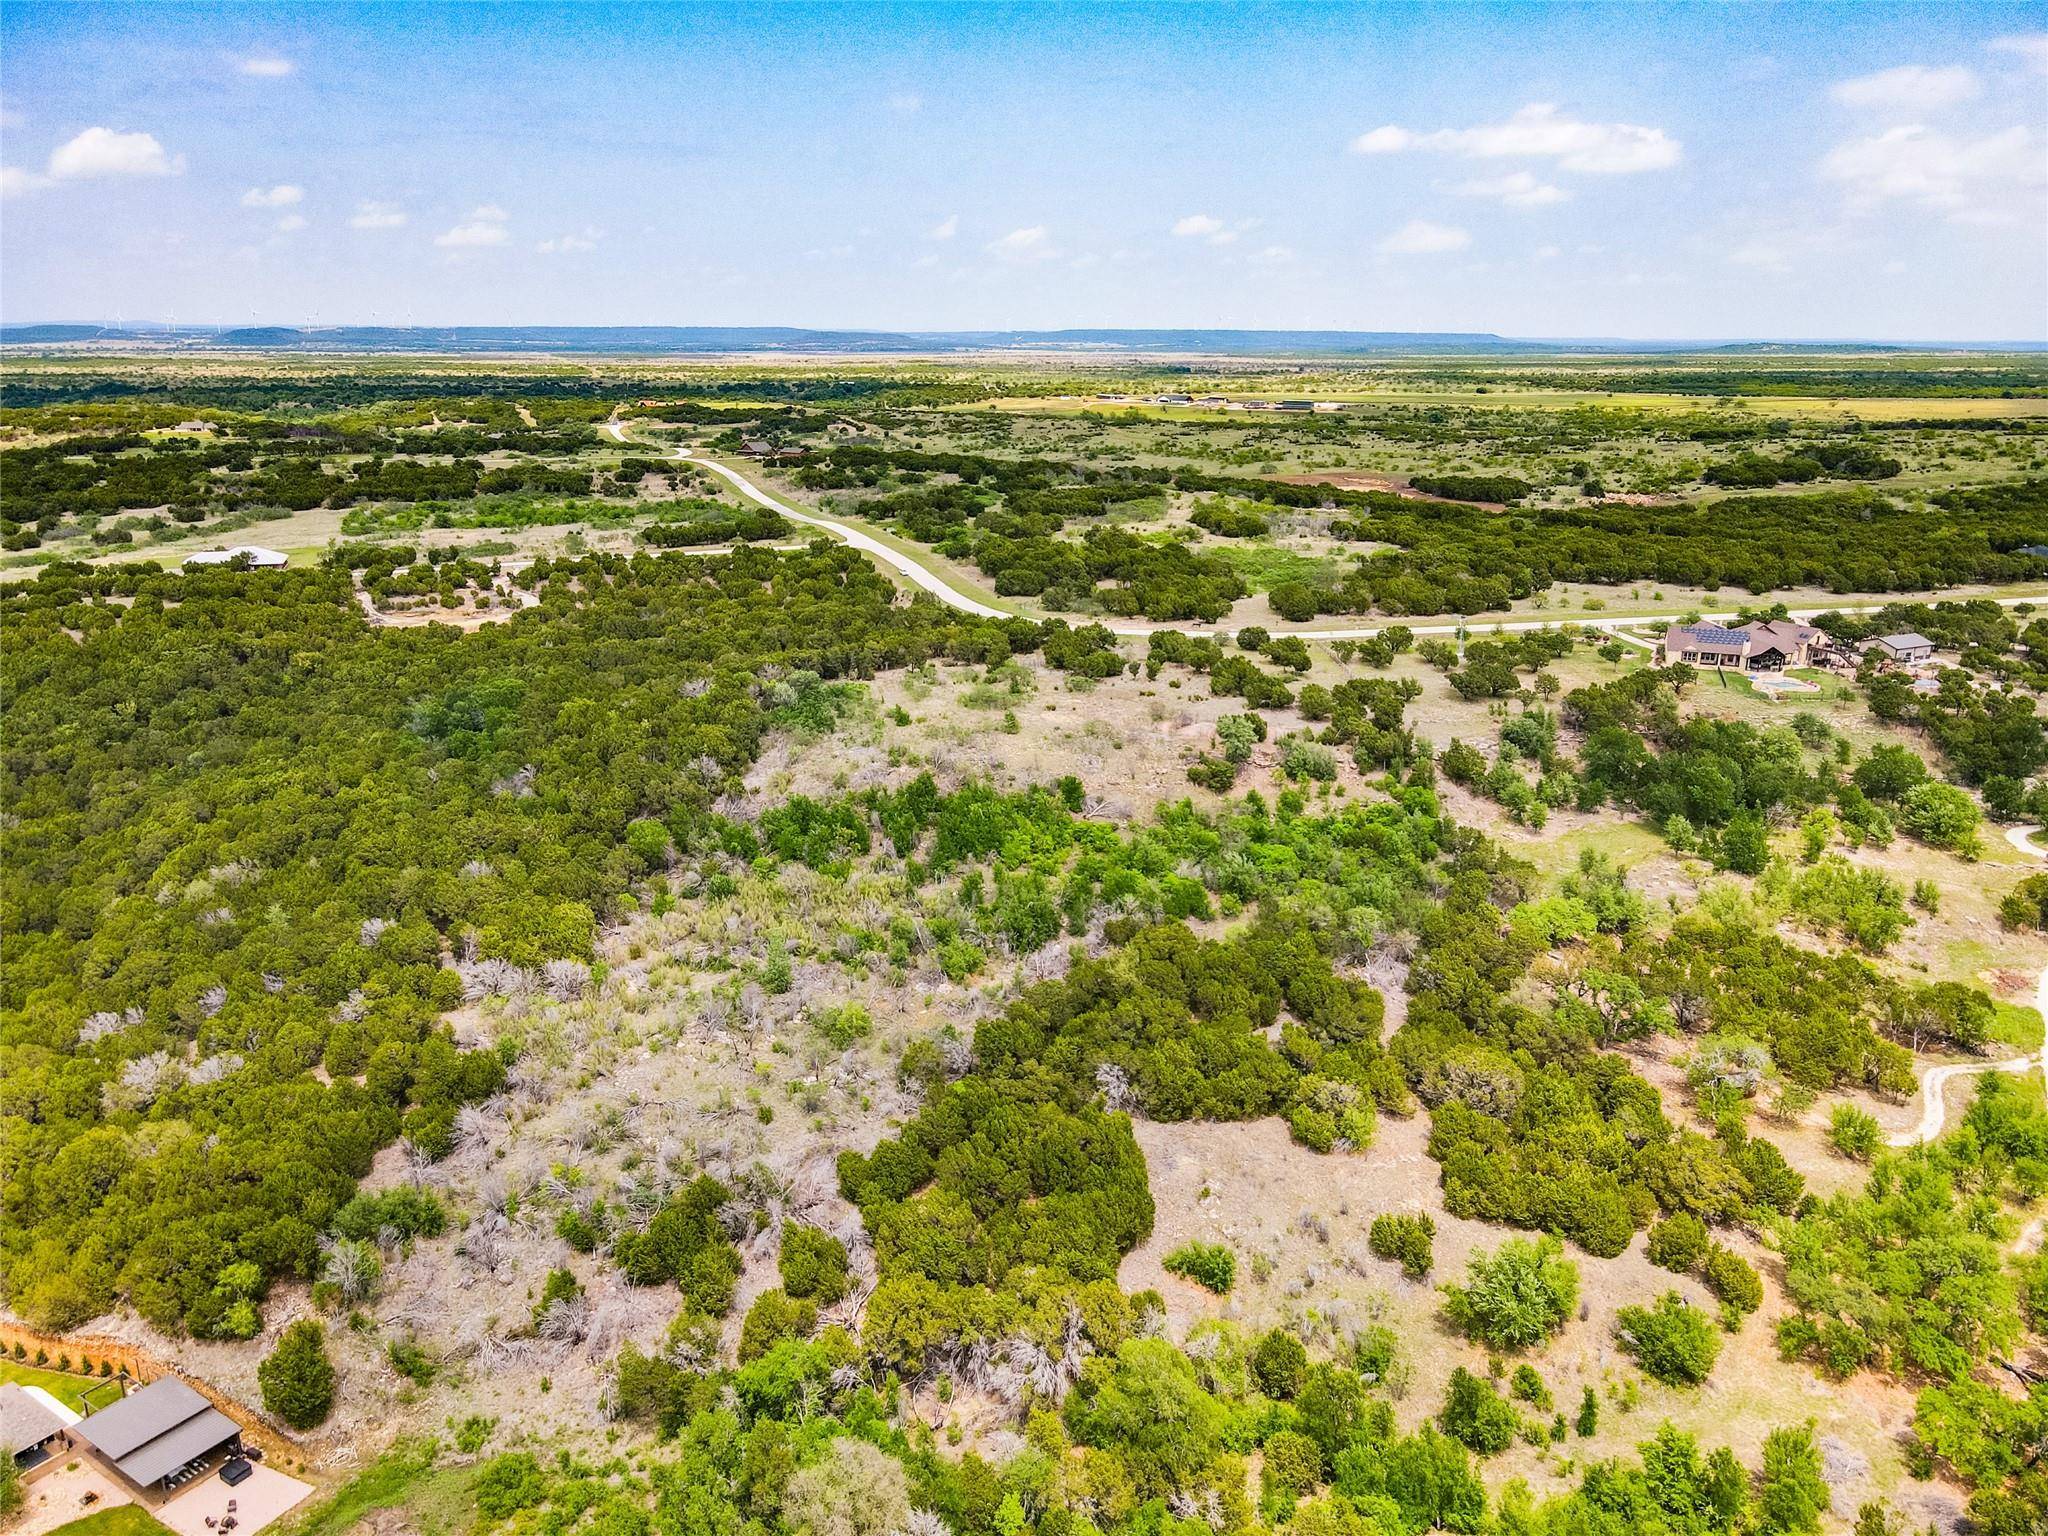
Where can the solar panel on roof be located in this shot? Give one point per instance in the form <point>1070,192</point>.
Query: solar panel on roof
<point>1714,634</point>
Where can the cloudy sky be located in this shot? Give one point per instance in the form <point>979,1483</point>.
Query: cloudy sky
<point>1534,170</point>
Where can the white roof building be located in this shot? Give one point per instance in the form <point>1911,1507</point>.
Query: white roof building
<point>258,556</point>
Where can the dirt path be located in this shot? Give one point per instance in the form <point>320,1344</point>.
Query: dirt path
<point>1934,1085</point>
<point>931,581</point>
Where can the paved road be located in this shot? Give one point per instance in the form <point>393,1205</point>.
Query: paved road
<point>1934,1085</point>
<point>895,559</point>
<point>931,581</point>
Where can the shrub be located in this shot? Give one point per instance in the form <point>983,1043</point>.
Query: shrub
<point>1294,1463</point>
<point>1477,1416</point>
<point>1854,1132</point>
<point>1517,1297</point>
<point>1207,1264</point>
<point>507,1484</point>
<point>297,1377</point>
<point>1408,1240</point>
<point>560,1285</point>
<point>813,1264</point>
<point>578,1230</point>
<point>411,1362</point>
<point>1792,1492</point>
<point>1526,1386</point>
<point>1733,1281</point>
<point>1942,816</point>
<point>1673,1341</point>
<point>1679,1243</point>
<point>846,1025</point>
<point>775,1316</point>
<point>1279,1364</point>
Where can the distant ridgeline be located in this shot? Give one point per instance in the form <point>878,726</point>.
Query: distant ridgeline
<point>623,339</point>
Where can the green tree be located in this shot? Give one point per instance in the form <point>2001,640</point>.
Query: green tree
<point>1518,1296</point>
<point>813,1264</point>
<point>297,1378</point>
<point>1672,1340</point>
<point>1477,1416</point>
<point>1791,1492</point>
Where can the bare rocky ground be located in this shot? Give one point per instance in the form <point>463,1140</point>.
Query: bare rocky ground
<point>1302,1218</point>
<point>677,1062</point>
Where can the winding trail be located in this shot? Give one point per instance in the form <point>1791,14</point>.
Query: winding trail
<point>921,575</point>
<point>1934,1085</point>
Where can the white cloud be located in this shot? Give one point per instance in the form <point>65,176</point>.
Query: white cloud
<point>2032,48</point>
<point>1517,189</point>
<point>1419,237</point>
<point>1545,253</point>
<point>564,244</point>
<point>266,66</point>
<point>945,229</point>
<point>485,226</point>
<point>281,196</point>
<point>1538,132</point>
<point>1909,88</point>
<point>471,236</point>
<point>1273,255</point>
<point>16,182</point>
<point>1971,180</point>
<point>377,216</point>
<point>903,103</point>
<point>1202,226</point>
<point>101,152</point>
<point>291,223</point>
<point>1032,243</point>
<point>1389,140</point>
<point>9,118</point>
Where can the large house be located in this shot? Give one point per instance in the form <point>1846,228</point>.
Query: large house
<point>161,1436</point>
<point>1767,647</point>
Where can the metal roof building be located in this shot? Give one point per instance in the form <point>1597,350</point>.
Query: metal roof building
<point>153,1434</point>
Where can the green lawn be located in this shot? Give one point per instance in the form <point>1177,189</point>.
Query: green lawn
<point>68,1389</point>
<point>2017,1027</point>
<point>437,1500</point>
<point>124,1520</point>
<point>1264,567</point>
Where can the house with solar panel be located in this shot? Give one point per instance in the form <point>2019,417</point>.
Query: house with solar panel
<point>160,1437</point>
<point>1767,647</point>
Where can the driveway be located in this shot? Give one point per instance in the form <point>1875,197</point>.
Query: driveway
<point>260,1499</point>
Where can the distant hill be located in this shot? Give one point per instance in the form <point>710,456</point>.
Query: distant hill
<point>692,339</point>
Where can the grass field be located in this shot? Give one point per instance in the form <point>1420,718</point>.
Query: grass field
<point>436,1499</point>
<point>2020,1028</point>
<point>124,1520</point>
<point>67,1388</point>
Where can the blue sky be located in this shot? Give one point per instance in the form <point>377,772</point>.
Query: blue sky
<point>1549,170</point>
